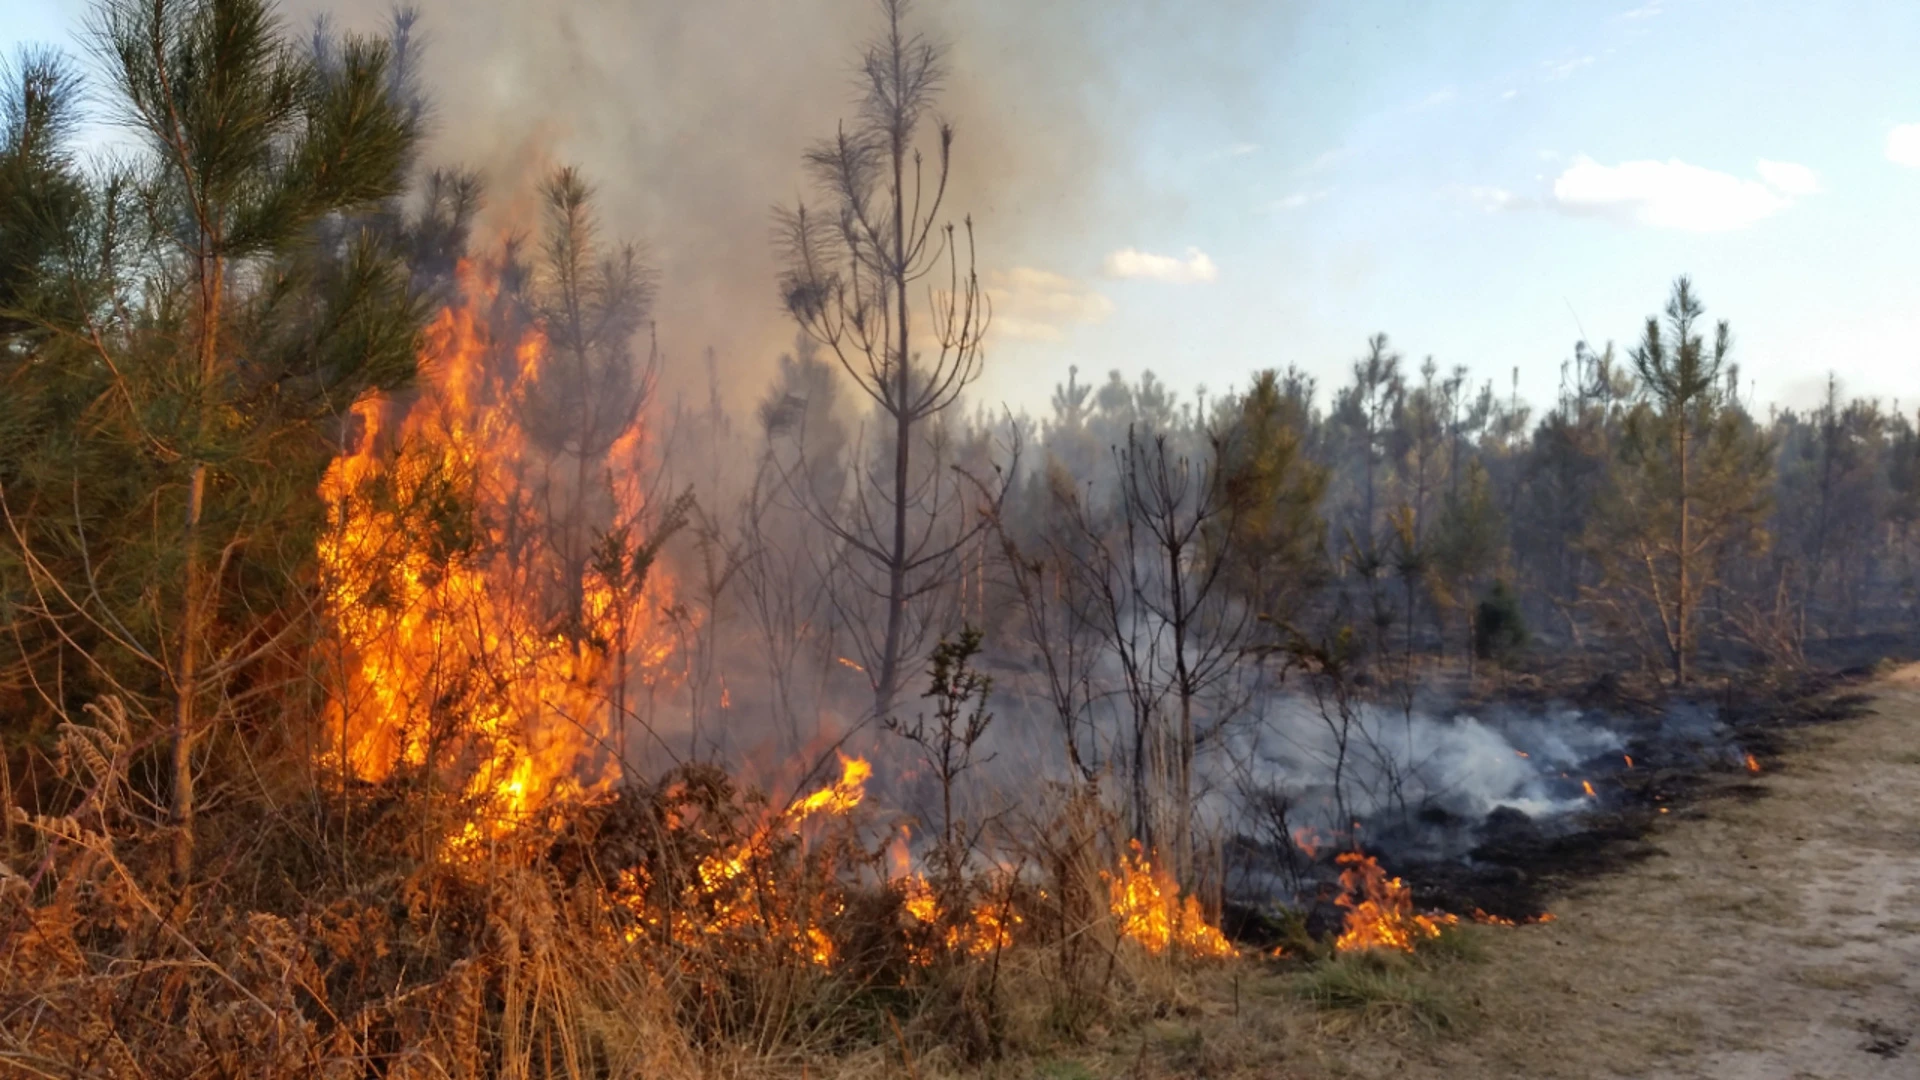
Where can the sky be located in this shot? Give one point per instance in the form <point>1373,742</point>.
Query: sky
<point>1204,190</point>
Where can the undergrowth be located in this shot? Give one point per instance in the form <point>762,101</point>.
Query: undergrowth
<point>1379,989</point>
<point>673,929</point>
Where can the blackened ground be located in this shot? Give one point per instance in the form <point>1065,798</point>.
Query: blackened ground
<point>1520,865</point>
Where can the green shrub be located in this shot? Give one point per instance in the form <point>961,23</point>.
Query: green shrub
<point>1499,629</point>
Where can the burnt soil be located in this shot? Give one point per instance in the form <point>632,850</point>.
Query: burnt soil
<point>1519,867</point>
<point>1766,928</point>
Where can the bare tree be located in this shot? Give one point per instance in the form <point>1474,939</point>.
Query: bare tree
<point>1153,576</point>
<point>1180,506</point>
<point>848,282</point>
<point>1054,601</point>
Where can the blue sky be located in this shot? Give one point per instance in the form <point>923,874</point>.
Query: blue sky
<point>1478,180</point>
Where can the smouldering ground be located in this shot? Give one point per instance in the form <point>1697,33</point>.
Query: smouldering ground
<point>1776,935</point>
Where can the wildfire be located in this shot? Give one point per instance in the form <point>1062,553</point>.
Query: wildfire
<point>730,897</point>
<point>1587,786</point>
<point>466,646</point>
<point>1308,841</point>
<point>1380,911</point>
<point>985,930</point>
<point>1488,919</point>
<point>1148,908</point>
<point>1753,764</point>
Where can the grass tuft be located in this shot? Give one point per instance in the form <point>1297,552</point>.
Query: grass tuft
<point>1381,990</point>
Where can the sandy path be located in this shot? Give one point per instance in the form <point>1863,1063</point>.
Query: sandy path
<point>1774,937</point>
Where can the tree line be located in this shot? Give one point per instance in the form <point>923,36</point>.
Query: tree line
<point>187,332</point>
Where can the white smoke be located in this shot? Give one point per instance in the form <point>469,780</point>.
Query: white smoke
<point>1403,763</point>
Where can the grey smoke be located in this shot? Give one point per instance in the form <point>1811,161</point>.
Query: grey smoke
<point>1398,763</point>
<point>691,118</point>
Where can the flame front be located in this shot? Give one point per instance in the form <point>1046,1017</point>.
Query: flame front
<point>735,895</point>
<point>1147,907</point>
<point>468,640</point>
<point>984,930</point>
<point>1380,911</point>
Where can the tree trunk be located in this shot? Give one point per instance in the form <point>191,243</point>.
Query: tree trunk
<point>186,685</point>
<point>1183,766</point>
<point>194,599</point>
<point>889,681</point>
<point>1681,628</point>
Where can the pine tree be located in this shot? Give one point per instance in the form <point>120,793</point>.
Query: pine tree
<point>1279,542</point>
<point>848,284</point>
<point>1692,486</point>
<point>185,409</point>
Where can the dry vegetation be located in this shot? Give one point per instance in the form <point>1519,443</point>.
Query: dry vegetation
<point>383,660</point>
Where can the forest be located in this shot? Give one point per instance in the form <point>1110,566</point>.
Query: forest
<point>395,682</point>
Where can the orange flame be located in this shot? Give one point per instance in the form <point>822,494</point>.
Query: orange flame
<point>729,899</point>
<point>1308,841</point>
<point>442,613</point>
<point>986,929</point>
<point>1753,764</point>
<point>1587,785</point>
<point>1148,908</point>
<point>1488,919</point>
<point>1380,911</point>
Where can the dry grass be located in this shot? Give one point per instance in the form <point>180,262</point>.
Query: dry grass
<point>675,931</point>
<point>1719,958</point>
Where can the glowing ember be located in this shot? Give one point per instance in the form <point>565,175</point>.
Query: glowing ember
<point>844,662</point>
<point>1488,919</point>
<point>1753,764</point>
<point>1148,908</point>
<point>1587,786</point>
<point>1380,911</point>
<point>1629,758</point>
<point>465,647</point>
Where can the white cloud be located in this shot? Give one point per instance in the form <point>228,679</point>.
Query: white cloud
<point>1325,160</point>
<point>1789,179</point>
<point>1668,195</point>
<point>1645,11</point>
<point>1442,96</point>
<point>1903,145</point>
<point>1299,199</point>
<point>1129,263</point>
<point>1242,148</point>
<point>1039,305</point>
<point>1509,94</point>
<point>1565,68</point>
<point>1493,199</point>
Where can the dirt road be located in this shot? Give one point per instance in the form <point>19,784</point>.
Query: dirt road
<point>1775,937</point>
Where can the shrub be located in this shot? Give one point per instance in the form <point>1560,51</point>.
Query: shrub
<point>1499,628</point>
